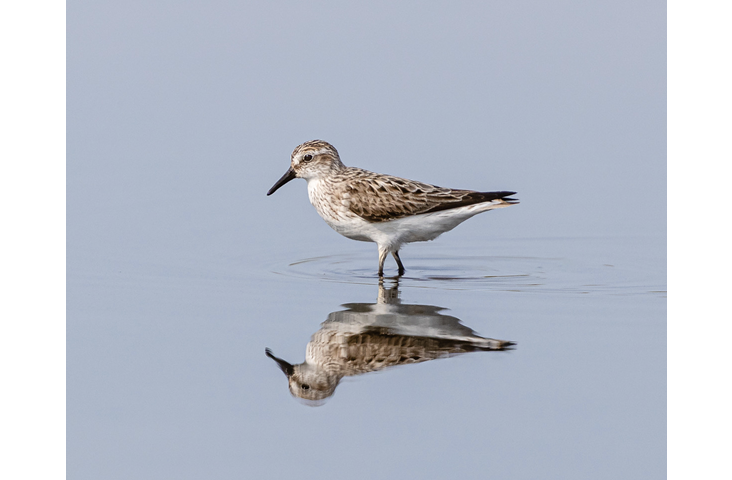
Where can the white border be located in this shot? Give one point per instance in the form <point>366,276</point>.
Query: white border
<point>699,239</point>
<point>33,213</point>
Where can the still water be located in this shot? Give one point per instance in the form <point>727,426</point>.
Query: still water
<point>535,358</point>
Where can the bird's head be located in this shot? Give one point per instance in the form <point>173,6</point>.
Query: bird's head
<point>310,383</point>
<point>311,160</point>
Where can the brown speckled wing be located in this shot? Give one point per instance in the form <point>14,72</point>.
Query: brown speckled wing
<point>379,198</point>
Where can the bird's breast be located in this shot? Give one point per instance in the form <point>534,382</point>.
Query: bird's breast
<point>328,201</point>
<point>333,205</point>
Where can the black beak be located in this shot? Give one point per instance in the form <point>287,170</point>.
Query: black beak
<point>284,366</point>
<point>289,175</point>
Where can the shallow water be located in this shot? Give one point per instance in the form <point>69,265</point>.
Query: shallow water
<point>168,376</point>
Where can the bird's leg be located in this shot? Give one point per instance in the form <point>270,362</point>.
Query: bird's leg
<point>399,262</point>
<point>382,257</point>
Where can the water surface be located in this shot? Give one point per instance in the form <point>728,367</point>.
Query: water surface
<point>168,376</point>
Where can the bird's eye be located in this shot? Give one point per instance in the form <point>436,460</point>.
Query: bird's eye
<point>305,386</point>
<point>307,158</point>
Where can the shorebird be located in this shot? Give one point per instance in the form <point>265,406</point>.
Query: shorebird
<point>384,209</point>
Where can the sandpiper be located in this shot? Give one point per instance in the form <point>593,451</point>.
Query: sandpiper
<point>384,209</point>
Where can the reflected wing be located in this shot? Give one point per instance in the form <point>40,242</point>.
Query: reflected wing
<point>379,198</point>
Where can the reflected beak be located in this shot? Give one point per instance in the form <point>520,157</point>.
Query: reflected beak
<point>289,175</point>
<point>287,368</point>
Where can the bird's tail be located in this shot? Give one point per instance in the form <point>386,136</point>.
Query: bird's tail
<point>502,198</point>
<point>493,200</point>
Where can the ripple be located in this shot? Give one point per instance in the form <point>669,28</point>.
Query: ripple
<point>433,271</point>
<point>475,272</point>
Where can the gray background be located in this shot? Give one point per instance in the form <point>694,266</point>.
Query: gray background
<point>182,115</point>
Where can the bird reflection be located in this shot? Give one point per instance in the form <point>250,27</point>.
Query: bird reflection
<point>368,337</point>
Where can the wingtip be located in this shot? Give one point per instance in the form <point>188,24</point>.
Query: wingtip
<point>505,197</point>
